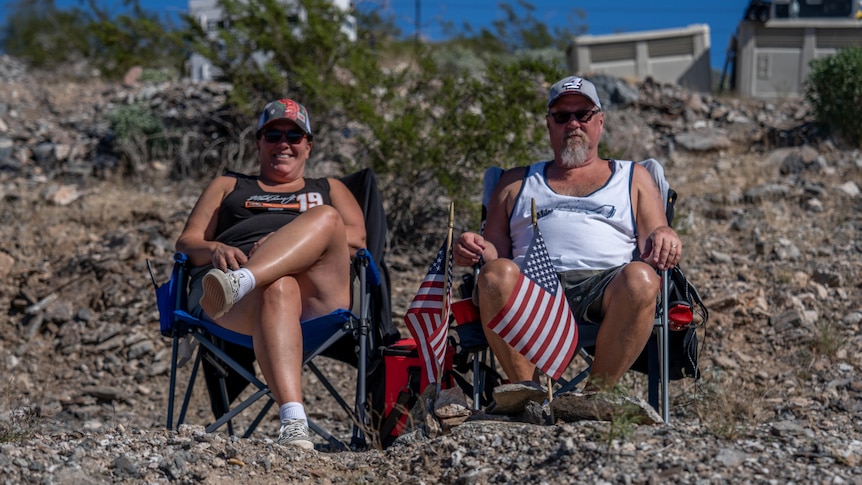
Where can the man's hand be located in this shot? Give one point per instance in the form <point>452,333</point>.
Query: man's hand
<point>468,249</point>
<point>663,248</point>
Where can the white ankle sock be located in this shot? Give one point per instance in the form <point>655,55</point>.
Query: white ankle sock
<point>246,281</point>
<point>292,410</point>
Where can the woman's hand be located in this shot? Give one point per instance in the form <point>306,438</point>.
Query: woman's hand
<point>257,244</point>
<point>226,257</point>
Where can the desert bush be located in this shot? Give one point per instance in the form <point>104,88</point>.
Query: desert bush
<point>39,33</point>
<point>429,128</point>
<point>18,419</point>
<point>432,135</point>
<point>137,131</point>
<point>134,119</point>
<point>835,93</point>
<point>268,50</point>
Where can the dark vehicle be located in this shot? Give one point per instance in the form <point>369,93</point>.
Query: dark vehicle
<point>763,10</point>
<point>758,11</point>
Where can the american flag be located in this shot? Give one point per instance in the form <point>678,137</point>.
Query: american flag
<point>428,315</point>
<point>536,320</point>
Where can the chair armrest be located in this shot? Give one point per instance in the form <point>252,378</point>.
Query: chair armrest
<point>363,258</point>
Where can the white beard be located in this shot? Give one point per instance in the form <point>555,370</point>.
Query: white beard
<point>574,153</point>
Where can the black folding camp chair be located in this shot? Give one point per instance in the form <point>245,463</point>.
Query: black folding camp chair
<point>226,357</point>
<point>655,360</point>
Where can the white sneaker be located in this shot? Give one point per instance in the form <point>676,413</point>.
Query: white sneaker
<point>294,432</point>
<point>221,291</point>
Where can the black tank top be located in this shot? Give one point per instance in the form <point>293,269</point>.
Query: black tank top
<point>249,213</point>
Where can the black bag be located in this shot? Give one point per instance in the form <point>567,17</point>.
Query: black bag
<point>686,314</point>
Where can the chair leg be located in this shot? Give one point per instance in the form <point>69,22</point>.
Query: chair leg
<point>189,389</point>
<point>653,372</point>
<point>478,380</point>
<point>663,349</point>
<point>335,442</point>
<point>259,418</point>
<point>221,375</point>
<point>173,381</point>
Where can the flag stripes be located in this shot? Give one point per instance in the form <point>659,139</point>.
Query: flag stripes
<point>427,318</point>
<point>536,320</point>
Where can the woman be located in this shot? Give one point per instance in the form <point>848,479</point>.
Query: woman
<point>273,250</point>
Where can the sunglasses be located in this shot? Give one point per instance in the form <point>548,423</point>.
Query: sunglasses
<point>274,136</point>
<point>565,117</point>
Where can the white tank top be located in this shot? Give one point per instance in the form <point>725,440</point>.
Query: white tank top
<point>595,232</point>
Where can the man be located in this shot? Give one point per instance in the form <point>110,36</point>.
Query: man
<point>604,225</point>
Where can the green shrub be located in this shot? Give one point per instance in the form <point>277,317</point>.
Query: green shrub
<point>429,127</point>
<point>160,75</point>
<point>39,33</point>
<point>834,90</point>
<point>134,119</point>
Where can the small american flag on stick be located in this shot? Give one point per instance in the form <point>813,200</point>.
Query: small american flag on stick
<point>536,320</point>
<point>428,315</point>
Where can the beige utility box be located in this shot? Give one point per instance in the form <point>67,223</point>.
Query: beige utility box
<point>678,56</point>
<point>773,58</point>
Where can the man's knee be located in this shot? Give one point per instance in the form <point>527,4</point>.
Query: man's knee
<point>497,276</point>
<point>636,280</point>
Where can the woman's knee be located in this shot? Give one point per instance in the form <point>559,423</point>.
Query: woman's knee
<point>284,290</point>
<point>326,216</point>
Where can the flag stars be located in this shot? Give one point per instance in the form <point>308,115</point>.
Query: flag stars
<point>540,269</point>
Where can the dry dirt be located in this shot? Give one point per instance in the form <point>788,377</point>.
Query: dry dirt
<point>771,238</point>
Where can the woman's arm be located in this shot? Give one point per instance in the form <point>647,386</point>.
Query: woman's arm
<point>351,214</point>
<point>197,238</point>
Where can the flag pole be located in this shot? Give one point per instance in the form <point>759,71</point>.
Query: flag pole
<point>535,220</point>
<point>444,310</point>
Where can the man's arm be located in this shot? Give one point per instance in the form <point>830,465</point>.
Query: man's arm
<point>658,243</point>
<point>496,241</point>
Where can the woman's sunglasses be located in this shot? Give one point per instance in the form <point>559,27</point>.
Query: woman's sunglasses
<point>274,136</point>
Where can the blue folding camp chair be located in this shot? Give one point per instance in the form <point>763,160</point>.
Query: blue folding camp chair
<point>226,356</point>
<point>318,335</point>
<point>655,361</point>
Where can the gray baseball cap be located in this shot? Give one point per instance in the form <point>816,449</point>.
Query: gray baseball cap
<point>574,85</point>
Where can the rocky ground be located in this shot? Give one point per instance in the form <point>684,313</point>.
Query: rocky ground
<point>769,212</point>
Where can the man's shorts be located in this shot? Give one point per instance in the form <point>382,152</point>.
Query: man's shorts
<point>584,291</point>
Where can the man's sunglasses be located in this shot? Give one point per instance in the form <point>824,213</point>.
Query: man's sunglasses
<point>565,117</point>
<point>274,136</point>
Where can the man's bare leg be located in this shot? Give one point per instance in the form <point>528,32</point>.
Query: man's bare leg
<point>628,306</point>
<point>497,280</point>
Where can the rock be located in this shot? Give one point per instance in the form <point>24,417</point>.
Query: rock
<point>451,403</point>
<point>511,398</point>
<point>451,408</point>
<point>575,406</point>
<point>776,257</point>
<point>702,141</point>
<point>130,79</point>
<point>6,264</point>
<point>849,188</point>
